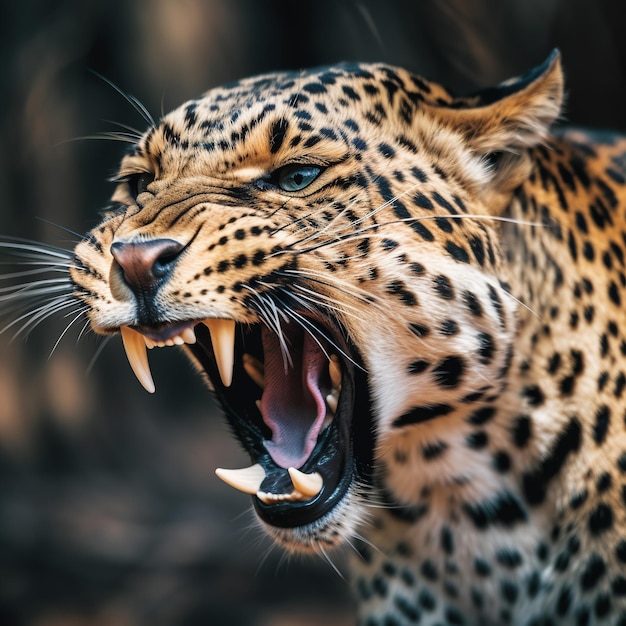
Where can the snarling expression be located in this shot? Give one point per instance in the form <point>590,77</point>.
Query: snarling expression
<point>299,236</point>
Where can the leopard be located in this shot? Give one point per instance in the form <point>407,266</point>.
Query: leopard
<point>409,305</point>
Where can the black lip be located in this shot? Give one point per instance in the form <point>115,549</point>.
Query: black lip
<point>339,456</point>
<point>164,332</point>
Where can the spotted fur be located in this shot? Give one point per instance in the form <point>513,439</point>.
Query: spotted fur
<point>470,263</point>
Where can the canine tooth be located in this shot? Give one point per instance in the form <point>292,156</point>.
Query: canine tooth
<point>137,356</point>
<point>189,335</point>
<point>255,369</point>
<point>223,340</point>
<point>307,484</point>
<point>248,479</point>
<point>334,371</point>
<point>331,401</point>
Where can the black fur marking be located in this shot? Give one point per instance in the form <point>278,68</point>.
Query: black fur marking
<point>418,366</point>
<point>535,482</point>
<point>504,509</point>
<point>449,372</point>
<point>601,519</point>
<point>601,426</point>
<point>444,287</point>
<point>457,252</point>
<point>595,569</point>
<point>433,449</point>
<point>419,414</point>
<point>472,303</point>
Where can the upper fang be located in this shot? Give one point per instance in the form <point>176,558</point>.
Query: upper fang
<point>223,340</point>
<point>135,347</point>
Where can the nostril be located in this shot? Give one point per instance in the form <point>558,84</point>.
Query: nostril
<point>144,263</point>
<point>164,263</point>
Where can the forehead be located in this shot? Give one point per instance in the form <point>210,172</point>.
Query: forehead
<point>320,89</point>
<point>320,92</point>
<point>244,116</point>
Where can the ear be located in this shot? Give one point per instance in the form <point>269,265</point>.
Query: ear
<point>499,123</point>
<point>517,113</point>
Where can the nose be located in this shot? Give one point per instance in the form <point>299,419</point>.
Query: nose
<point>146,263</point>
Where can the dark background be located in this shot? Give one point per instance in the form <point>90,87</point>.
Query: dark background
<point>110,514</point>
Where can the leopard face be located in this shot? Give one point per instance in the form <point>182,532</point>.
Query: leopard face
<point>383,285</point>
<point>308,238</point>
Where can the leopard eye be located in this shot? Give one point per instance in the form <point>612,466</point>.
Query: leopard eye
<point>138,183</point>
<point>296,177</point>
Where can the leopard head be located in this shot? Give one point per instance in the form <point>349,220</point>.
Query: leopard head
<point>324,246</point>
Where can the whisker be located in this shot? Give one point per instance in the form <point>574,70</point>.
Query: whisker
<point>36,316</point>
<point>132,100</point>
<point>35,272</point>
<point>340,239</point>
<point>80,236</point>
<point>37,288</point>
<point>524,305</point>
<point>83,331</point>
<point>271,316</point>
<point>131,129</point>
<point>106,136</point>
<point>327,558</point>
<point>370,214</point>
<point>81,311</point>
<point>311,215</point>
<point>18,246</point>
<point>98,352</point>
<point>299,319</point>
<point>332,282</point>
<point>269,549</point>
<point>312,329</point>
<point>326,302</point>
<point>367,542</point>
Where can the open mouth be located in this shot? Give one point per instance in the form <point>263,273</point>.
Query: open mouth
<point>291,399</point>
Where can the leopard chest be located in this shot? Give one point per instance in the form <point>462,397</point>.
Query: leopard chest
<point>467,565</point>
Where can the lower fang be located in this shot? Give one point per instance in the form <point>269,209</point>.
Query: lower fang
<point>248,479</point>
<point>307,484</point>
<point>331,402</point>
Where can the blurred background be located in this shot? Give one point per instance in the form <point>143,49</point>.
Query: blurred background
<point>110,514</point>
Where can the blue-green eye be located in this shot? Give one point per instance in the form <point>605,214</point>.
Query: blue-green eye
<point>296,177</point>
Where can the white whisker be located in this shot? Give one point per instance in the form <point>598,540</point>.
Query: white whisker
<point>81,311</point>
<point>37,315</point>
<point>312,329</point>
<point>132,100</point>
<point>20,246</point>
<point>35,288</point>
<point>98,352</point>
<point>327,558</point>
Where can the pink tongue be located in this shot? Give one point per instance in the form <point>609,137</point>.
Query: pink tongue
<point>292,404</point>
